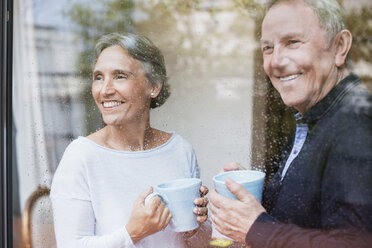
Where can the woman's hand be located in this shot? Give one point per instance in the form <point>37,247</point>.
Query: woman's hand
<point>201,209</point>
<point>147,219</point>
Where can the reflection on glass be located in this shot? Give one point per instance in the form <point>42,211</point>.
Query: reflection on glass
<point>220,99</point>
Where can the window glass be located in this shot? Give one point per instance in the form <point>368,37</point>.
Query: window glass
<point>221,100</point>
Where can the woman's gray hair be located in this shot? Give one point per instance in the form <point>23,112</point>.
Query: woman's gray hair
<point>330,15</point>
<point>142,49</point>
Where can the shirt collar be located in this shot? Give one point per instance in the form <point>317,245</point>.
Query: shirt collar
<point>331,100</point>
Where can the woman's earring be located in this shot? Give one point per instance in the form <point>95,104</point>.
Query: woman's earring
<point>152,94</point>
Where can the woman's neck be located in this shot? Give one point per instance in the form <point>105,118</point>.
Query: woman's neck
<point>130,137</point>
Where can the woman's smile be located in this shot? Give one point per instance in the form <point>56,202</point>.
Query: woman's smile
<point>111,104</point>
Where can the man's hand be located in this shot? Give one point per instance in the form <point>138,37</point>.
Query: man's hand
<point>147,219</point>
<point>234,218</point>
<point>232,167</point>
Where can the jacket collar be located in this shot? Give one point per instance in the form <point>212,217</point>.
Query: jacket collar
<point>330,101</point>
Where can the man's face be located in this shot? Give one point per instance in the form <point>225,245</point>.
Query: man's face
<point>296,54</point>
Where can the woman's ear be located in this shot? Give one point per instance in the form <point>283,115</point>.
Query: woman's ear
<point>156,88</point>
<point>342,44</point>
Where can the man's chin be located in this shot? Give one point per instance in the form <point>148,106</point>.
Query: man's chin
<point>293,104</point>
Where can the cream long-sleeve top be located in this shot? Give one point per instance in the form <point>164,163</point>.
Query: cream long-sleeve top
<point>94,188</point>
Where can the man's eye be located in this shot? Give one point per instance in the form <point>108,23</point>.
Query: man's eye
<point>293,42</point>
<point>267,49</point>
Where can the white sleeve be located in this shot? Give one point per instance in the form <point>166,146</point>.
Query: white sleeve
<point>73,214</point>
<point>74,225</point>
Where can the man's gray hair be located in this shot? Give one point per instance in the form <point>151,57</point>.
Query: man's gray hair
<point>330,15</point>
<point>142,49</point>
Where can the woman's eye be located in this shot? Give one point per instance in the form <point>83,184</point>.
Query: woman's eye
<point>98,77</point>
<point>121,76</point>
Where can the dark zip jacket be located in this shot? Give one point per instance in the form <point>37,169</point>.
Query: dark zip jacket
<point>325,197</point>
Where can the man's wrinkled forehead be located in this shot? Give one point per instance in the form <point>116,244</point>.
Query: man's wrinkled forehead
<point>289,18</point>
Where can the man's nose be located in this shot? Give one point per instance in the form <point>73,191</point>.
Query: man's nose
<point>278,58</point>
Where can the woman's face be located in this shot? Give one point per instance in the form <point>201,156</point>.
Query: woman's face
<point>119,87</point>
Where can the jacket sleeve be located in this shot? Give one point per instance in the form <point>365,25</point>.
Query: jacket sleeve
<point>268,232</point>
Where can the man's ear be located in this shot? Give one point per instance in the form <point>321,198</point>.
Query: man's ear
<point>156,88</point>
<point>342,43</point>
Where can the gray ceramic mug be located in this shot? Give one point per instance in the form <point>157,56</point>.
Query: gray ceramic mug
<point>251,180</point>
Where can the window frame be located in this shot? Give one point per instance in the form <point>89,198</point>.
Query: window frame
<point>6,54</point>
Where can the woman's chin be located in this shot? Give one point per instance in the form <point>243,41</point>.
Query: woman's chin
<point>113,121</point>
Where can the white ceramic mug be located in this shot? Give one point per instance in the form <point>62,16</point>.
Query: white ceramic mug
<point>179,195</point>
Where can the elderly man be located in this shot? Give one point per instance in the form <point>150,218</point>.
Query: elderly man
<point>321,195</point>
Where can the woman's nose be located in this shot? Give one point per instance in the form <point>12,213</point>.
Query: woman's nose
<point>108,87</point>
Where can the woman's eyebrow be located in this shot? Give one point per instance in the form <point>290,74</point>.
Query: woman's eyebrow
<point>120,71</point>
<point>116,71</point>
<point>96,72</point>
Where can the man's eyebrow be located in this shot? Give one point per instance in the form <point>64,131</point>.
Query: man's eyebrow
<point>283,37</point>
<point>291,35</point>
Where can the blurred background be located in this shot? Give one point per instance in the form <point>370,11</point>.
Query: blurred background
<point>221,100</point>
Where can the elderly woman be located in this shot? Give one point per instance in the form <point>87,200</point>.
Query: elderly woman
<point>99,188</point>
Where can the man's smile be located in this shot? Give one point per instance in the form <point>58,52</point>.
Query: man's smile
<point>290,77</point>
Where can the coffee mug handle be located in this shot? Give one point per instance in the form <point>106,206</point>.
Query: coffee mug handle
<point>163,198</point>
